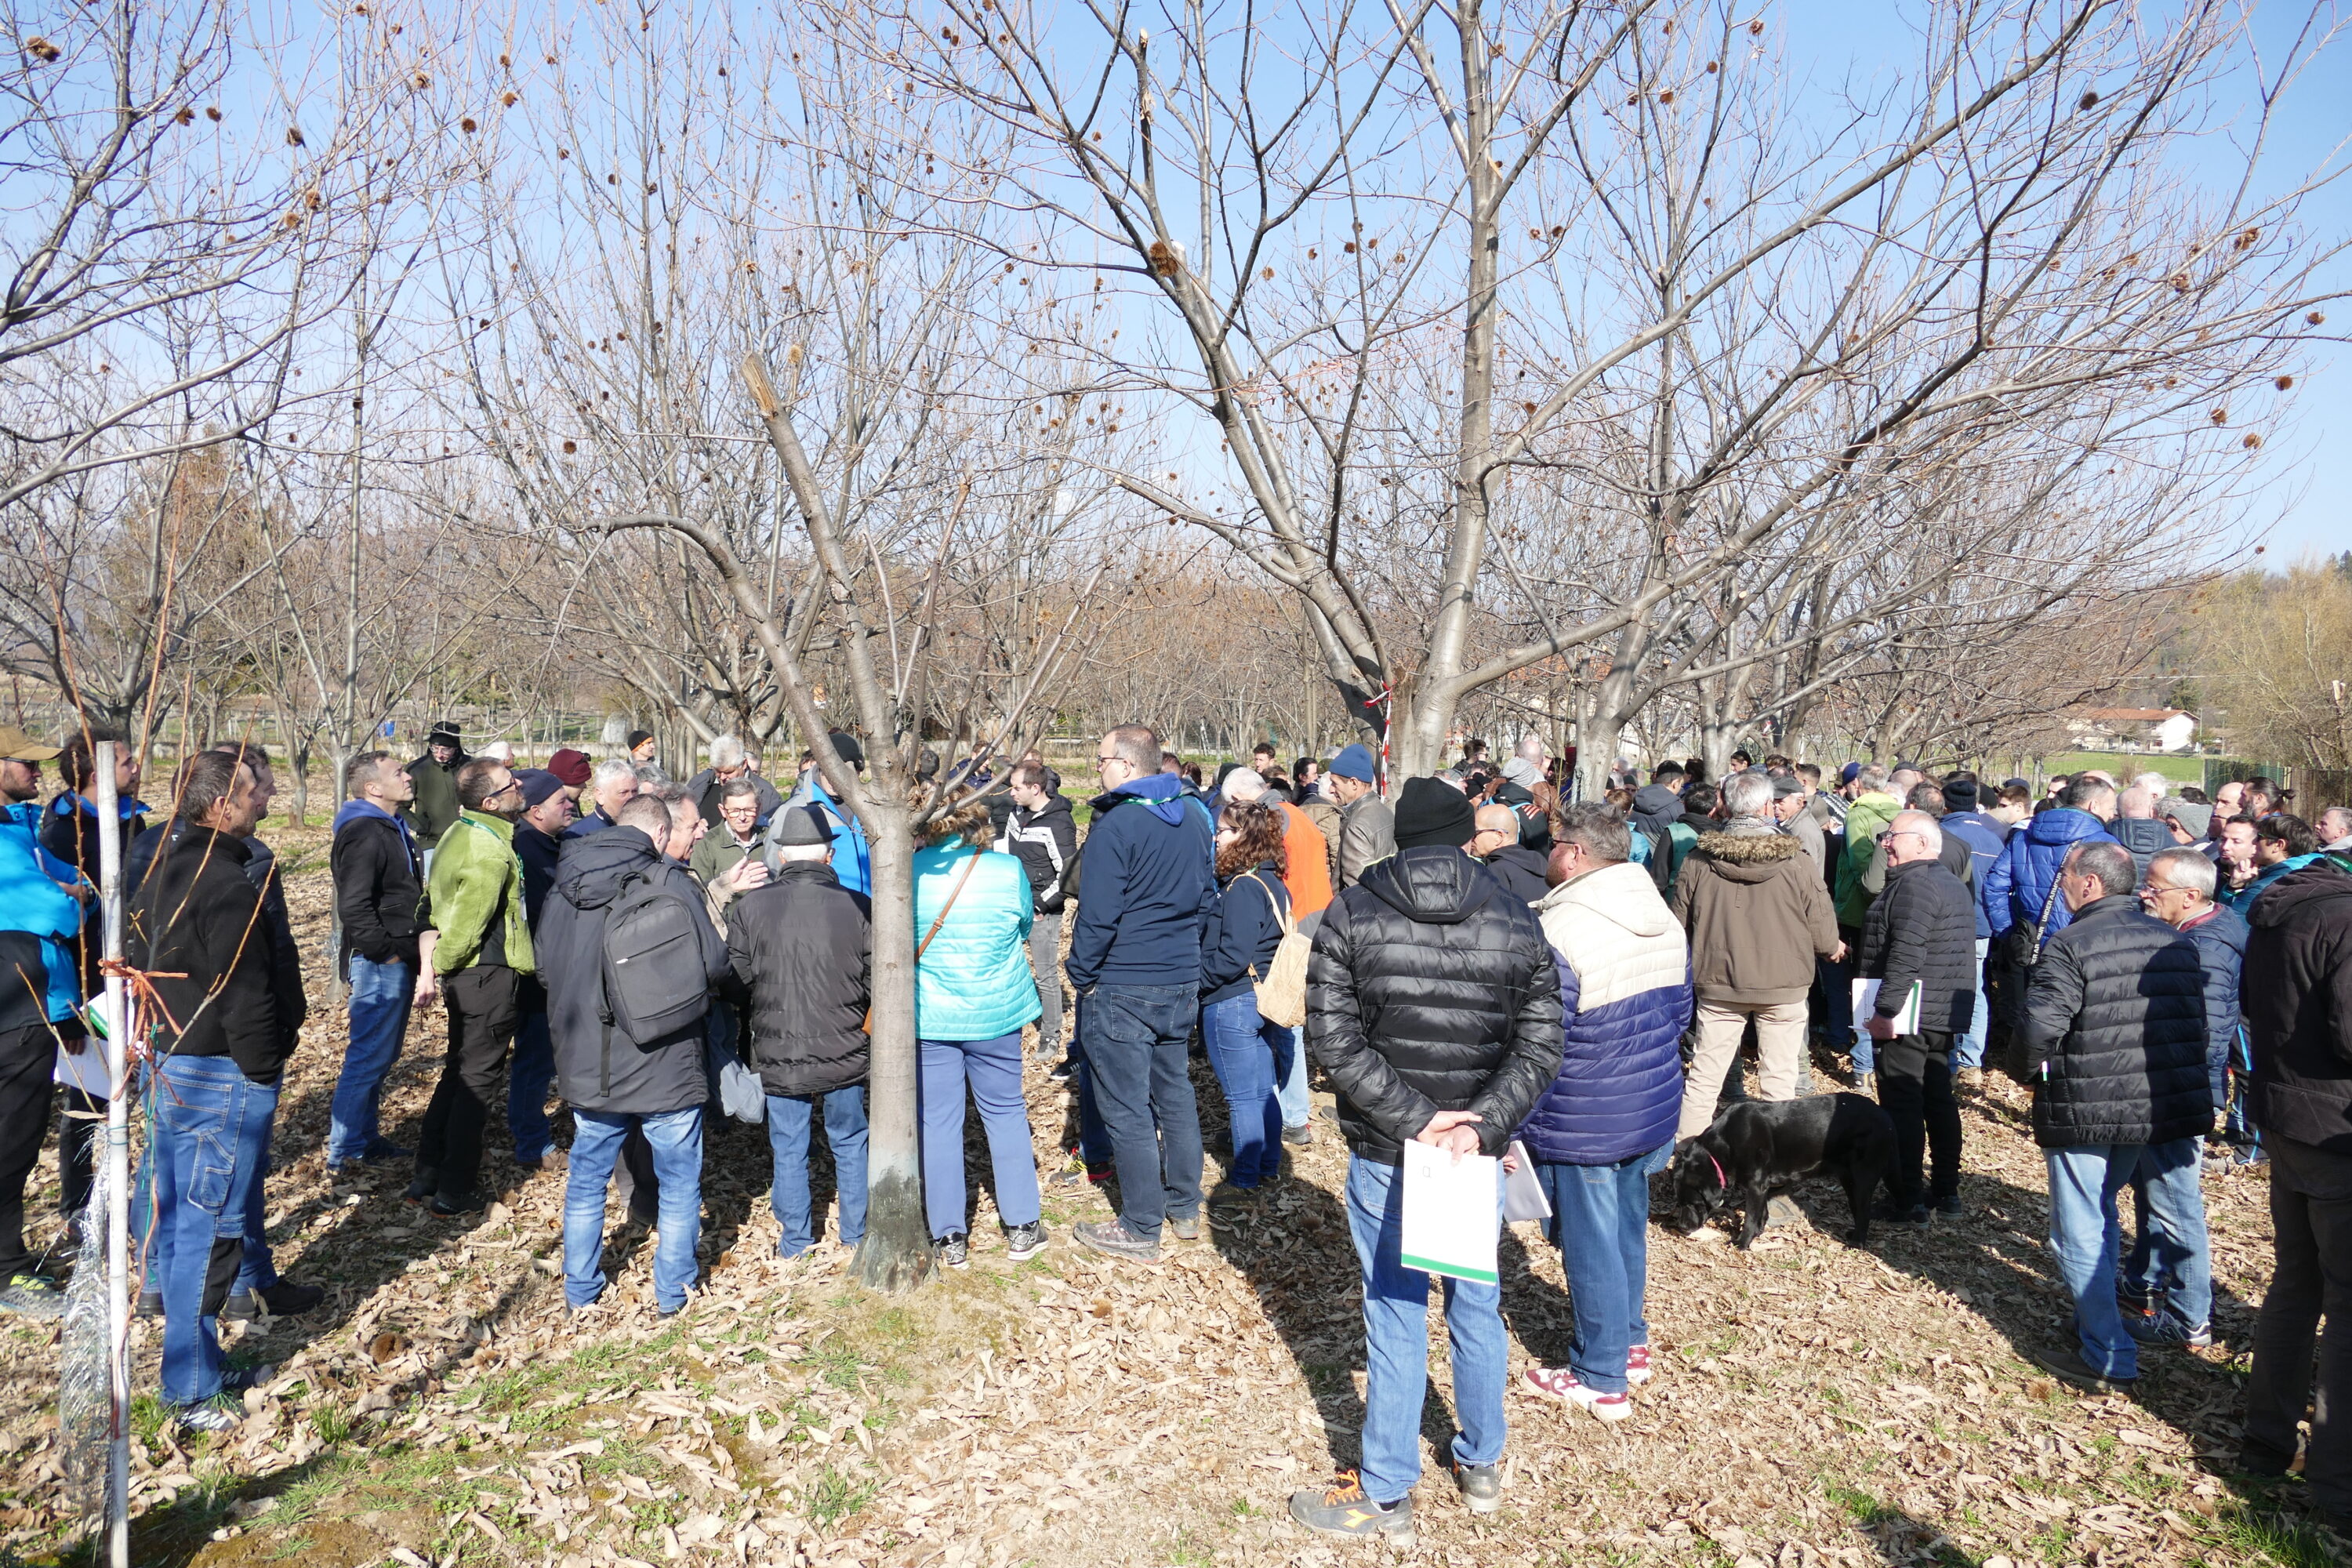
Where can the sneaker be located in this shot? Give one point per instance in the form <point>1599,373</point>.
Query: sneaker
<point>1063,1071</point>
<point>1023,1242</point>
<point>1968,1077</point>
<point>546,1160</point>
<point>2134,1303</point>
<point>1083,1175</point>
<point>210,1418</point>
<point>1637,1364</point>
<point>1948,1207</point>
<point>151,1303</point>
<point>1481,1485</point>
<point>1115,1240</point>
<point>1299,1137</point>
<point>1561,1383</point>
<point>423,1185</point>
<point>237,1379</point>
<point>2068,1366</point>
<point>955,1250</point>
<point>1342,1509</point>
<point>453,1208</point>
<point>2164,1329</point>
<point>1185,1229</point>
<point>37,1296</point>
<point>1865,1083</point>
<point>1893,1213</point>
<point>1048,1051</point>
<point>283,1299</point>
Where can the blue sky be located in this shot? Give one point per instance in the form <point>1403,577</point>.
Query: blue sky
<point>2303,503</point>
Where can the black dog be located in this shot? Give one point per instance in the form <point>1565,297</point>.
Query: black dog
<point>1758,1148</point>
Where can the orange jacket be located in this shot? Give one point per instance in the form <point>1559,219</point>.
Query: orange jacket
<point>1307,858</point>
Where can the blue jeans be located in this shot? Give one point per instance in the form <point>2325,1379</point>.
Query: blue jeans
<point>676,1137</point>
<point>2170,1250</point>
<point>1600,1223</point>
<point>1396,1342</point>
<point>528,1082</point>
<point>1137,1040</point>
<point>381,996</point>
<point>1292,1090</point>
<point>207,1186</point>
<point>992,1067</point>
<point>2085,1240</point>
<point>789,1116</point>
<point>1250,1057</point>
<point>1967,1050</point>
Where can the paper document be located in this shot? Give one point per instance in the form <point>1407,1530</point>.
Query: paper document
<point>1866,1002</point>
<point>1523,1196</point>
<point>91,1069</point>
<point>1451,1215</point>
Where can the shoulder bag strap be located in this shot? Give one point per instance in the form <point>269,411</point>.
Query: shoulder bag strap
<point>926,944</point>
<point>1281,913</point>
<point>2042,929</point>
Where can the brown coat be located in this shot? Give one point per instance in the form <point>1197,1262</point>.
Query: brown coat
<point>1758,915</point>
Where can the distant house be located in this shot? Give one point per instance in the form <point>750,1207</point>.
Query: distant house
<point>2136,730</point>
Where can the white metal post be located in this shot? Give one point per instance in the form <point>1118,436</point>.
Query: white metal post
<point>118,1163</point>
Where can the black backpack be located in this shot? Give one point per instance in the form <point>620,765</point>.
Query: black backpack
<point>654,984</point>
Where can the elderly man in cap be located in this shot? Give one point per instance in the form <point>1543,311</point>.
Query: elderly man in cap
<point>433,808</point>
<point>802,953</point>
<point>1790,799</point>
<point>1434,1003</point>
<point>853,857</point>
<point>1367,826</point>
<point>43,904</point>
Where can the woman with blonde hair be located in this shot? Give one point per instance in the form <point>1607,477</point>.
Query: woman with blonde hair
<point>1250,1056</point>
<point>973,991</point>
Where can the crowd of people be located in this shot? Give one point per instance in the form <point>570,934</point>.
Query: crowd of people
<point>1474,959</point>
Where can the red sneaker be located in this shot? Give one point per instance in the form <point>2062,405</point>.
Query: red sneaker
<point>1637,1364</point>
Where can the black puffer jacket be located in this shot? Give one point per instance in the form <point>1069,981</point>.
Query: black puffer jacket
<point>1520,869</point>
<point>1923,928</point>
<point>1432,989</point>
<point>2298,1000</point>
<point>801,949</point>
<point>2115,1017</point>
<point>597,1066</point>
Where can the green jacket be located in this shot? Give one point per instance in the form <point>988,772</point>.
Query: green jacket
<point>1865,819</point>
<point>435,807</point>
<point>476,875</point>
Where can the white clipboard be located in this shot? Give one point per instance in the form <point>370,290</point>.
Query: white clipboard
<point>1865,1004</point>
<point>1451,1221</point>
<point>1523,1194</point>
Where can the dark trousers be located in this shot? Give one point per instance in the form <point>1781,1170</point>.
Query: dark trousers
<point>1914,1085</point>
<point>2311,1221</point>
<point>1137,1042</point>
<point>28,1058</point>
<point>79,1118</point>
<point>483,1014</point>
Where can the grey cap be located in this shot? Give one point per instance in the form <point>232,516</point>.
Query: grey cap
<point>804,824</point>
<point>2197,819</point>
<point>1786,785</point>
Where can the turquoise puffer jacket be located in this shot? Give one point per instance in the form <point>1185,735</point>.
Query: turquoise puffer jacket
<point>974,983</point>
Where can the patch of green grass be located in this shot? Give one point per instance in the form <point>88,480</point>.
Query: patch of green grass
<point>1188,1553</point>
<point>2053,1544</point>
<point>1866,1509</point>
<point>2124,765</point>
<point>837,1367</point>
<point>148,1415</point>
<point>831,1496</point>
<point>333,1423</point>
<point>2258,1533</point>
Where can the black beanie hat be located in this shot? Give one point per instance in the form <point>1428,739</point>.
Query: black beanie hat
<point>1429,811</point>
<point>1960,794</point>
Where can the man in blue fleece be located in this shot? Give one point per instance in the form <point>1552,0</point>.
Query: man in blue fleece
<point>1146,883</point>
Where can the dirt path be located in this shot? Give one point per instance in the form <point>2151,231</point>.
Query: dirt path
<point>1813,1404</point>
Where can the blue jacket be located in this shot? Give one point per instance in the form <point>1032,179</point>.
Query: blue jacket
<point>853,857</point>
<point>2243,899</point>
<point>1625,999</point>
<point>1144,887</point>
<point>2028,865</point>
<point>1983,835</point>
<point>40,921</point>
<point>1242,931</point>
<point>2220,939</point>
<point>974,982</point>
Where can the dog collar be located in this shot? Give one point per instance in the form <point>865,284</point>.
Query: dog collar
<point>1711,1160</point>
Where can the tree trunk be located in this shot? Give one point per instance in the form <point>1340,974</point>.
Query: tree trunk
<point>1597,736</point>
<point>897,1252</point>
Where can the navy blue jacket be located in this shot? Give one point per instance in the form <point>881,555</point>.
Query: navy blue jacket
<point>2221,939</point>
<point>1625,998</point>
<point>538,853</point>
<point>1984,836</point>
<point>1242,931</point>
<point>1144,888</point>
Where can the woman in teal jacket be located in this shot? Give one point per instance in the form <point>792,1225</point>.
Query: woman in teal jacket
<point>973,991</point>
